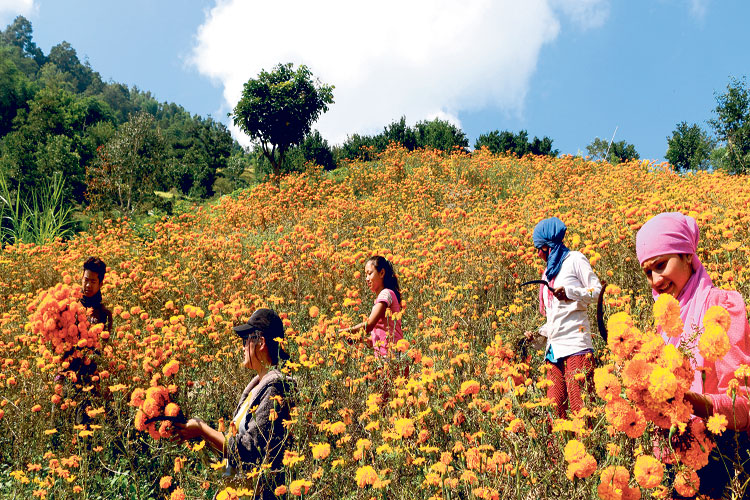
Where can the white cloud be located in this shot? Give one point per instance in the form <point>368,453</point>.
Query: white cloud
<point>12,8</point>
<point>698,9</point>
<point>585,13</point>
<point>419,58</point>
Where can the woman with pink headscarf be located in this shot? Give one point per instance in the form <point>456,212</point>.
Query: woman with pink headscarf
<point>666,246</point>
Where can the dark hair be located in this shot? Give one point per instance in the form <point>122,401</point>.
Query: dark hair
<point>390,280</point>
<point>97,265</point>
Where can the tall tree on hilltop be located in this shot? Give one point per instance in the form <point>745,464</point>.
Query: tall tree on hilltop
<point>689,148</point>
<point>278,108</point>
<point>440,134</point>
<point>732,126</point>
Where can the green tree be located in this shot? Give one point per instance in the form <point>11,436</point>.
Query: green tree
<point>278,108</point>
<point>128,166</point>
<point>20,34</point>
<point>518,144</point>
<point>732,126</point>
<point>440,134</point>
<point>14,90</point>
<point>614,153</point>
<point>689,148</point>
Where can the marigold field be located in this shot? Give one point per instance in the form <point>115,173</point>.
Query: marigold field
<point>457,412</point>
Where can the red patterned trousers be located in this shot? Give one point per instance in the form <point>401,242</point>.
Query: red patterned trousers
<point>566,389</point>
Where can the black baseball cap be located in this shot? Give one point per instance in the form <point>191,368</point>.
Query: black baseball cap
<point>267,323</point>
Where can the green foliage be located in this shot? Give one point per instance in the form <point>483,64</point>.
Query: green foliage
<point>279,107</point>
<point>518,144</point>
<point>440,134</point>
<point>435,134</point>
<point>689,148</point>
<point>42,221</point>
<point>55,114</point>
<point>614,153</point>
<point>128,166</point>
<point>732,126</point>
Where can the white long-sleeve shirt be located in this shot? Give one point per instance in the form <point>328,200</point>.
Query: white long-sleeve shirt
<point>567,329</point>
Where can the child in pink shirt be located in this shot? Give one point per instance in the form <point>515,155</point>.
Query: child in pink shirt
<point>384,330</point>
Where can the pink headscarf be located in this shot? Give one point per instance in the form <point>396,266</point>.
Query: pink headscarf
<point>677,233</point>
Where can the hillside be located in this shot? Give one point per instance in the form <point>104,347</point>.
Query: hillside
<point>471,419</point>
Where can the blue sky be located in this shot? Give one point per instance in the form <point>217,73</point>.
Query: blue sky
<point>568,69</point>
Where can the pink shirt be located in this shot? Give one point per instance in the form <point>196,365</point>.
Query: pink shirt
<point>387,330</point>
<point>719,374</point>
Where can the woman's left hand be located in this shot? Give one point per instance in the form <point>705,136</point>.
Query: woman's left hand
<point>702,405</point>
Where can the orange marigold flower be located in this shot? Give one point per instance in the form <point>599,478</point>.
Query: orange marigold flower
<point>667,315</point>
<point>648,471</point>
<point>172,410</point>
<point>714,343</point>
<point>623,336</point>
<point>366,476</point>
<point>469,387</point>
<point>581,468</point>
<point>171,368</point>
<point>280,490</point>
<point>165,482</point>
<point>606,383</point>
<point>178,494</point>
<point>300,487</point>
<point>314,311</point>
<point>687,483</point>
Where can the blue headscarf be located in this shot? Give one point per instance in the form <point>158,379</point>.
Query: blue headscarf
<point>551,232</point>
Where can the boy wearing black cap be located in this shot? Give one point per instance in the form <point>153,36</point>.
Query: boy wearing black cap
<point>260,437</point>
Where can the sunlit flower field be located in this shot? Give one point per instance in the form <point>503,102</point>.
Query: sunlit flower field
<point>458,411</point>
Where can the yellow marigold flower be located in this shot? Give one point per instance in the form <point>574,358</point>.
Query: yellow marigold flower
<point>574,451</point>
<point>667,315</point>
<point>320,451</point>
<point>404,427</point>
<point>714,343</point>
<point>663,384</point>
<point>671,358</point>
<point>717,315</point>
<point>743,372</point>
<point>717,424</point>
<point>292,458</point>
<point>648,471</point>
<point>300,487</point>
<point>366,476</point>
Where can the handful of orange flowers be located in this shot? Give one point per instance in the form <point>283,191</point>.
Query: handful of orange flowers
<point>57,316</point>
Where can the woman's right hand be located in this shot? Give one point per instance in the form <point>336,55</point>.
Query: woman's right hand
<point>528,334</point>
<point>191,429</point>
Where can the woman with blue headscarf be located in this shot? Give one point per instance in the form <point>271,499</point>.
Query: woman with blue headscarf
<point>573,286</point>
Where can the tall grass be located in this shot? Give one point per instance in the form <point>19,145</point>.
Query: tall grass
<point>45,219</point>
